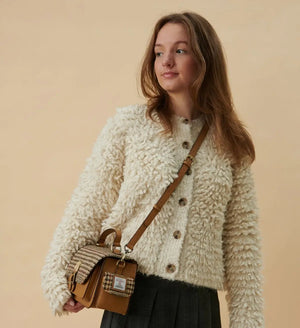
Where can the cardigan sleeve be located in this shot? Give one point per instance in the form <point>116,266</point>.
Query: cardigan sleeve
<point>242,253</point>
<point>90,203</point>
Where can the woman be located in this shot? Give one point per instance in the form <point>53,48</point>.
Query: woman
<point>206,237</point>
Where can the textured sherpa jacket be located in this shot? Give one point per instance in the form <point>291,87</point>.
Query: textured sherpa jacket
<point>205,234</point>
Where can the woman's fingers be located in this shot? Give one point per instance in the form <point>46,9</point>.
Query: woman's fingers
<point>76,308</point>
<point>73,306</point>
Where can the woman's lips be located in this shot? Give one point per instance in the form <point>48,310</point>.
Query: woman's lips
<point>169,75</point>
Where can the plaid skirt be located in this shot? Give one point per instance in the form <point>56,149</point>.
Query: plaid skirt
<point>163,303</point>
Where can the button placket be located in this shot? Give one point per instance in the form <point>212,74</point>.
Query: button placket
<point>171,248</point>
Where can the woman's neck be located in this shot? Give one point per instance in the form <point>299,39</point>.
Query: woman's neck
<point>183,106</point>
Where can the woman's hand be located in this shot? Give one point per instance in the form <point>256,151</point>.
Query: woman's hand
<point>72,305</point>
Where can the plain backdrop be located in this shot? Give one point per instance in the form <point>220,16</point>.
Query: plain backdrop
<point>65,65</point>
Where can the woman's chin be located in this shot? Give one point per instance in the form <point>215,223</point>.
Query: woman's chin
<point>171,88</point>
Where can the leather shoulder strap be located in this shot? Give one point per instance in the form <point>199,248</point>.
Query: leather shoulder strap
<point>157,207</point>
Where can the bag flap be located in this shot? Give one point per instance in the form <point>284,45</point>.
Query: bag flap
<point>86,258</point>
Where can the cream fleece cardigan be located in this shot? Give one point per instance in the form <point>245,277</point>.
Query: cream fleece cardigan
<point>206,233</point>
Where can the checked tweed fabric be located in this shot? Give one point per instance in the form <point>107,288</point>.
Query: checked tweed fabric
<point>118,284</point>
<point>89,256</point>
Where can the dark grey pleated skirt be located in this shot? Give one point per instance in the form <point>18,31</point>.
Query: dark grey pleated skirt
<point>162,303</point>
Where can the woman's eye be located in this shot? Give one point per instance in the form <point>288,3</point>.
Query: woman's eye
<point>158,54</point>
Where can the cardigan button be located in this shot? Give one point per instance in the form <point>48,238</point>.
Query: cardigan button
<point>182,201</point>
<point>177,234</point>
<point>189,171</point>
<point>170,268</point>
<point>185,145</point>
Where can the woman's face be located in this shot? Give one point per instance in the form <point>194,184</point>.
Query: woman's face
<point>173,54</point>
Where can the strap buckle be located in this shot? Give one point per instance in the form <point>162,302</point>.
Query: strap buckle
<point>189,158</point>
<point>72,278</point>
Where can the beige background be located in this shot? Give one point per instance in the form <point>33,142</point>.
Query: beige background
<point>64,68</point>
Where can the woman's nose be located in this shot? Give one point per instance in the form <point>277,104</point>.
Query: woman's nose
<point>168,60</point>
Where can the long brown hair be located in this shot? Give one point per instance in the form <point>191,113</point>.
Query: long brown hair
<point>210,92</point>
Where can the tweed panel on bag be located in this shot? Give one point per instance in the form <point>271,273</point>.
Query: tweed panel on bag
<point>109,288</point>
<point>89,256</point>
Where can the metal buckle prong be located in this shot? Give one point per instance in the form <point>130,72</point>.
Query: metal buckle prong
<point>191,158</point>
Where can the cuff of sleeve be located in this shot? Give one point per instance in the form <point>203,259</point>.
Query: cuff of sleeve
<point>246,317</point>
<point>59,301</point>
<point>57,293</point>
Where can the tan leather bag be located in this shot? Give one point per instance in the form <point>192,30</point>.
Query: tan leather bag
<point>102,277</point>
<point>99,277</point>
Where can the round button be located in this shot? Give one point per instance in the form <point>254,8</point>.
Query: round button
<point>189,171</point>
<point>170,268</point>
<point>182,201</point>
<point>185,121</point>
<point>185,145</point>
<point>177,234</point>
